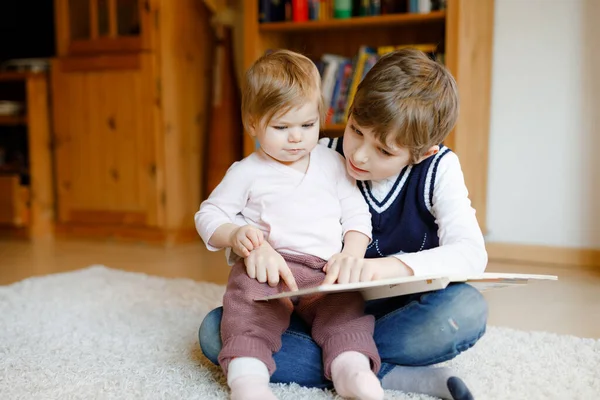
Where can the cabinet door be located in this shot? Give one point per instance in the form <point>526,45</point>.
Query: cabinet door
<point>103,26</point>
<point>105,141</point>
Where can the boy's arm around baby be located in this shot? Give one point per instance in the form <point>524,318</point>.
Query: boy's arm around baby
<point>461,247</point>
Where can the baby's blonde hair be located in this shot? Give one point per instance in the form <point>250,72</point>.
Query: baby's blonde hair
<point>276,83</point>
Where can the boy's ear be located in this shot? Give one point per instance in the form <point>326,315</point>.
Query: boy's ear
<point>433,150</point>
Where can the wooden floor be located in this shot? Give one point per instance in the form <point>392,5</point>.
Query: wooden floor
<point>569,306</point>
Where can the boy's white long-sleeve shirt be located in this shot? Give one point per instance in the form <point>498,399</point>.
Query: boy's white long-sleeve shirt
<point>461,247</point>
<point>299,213</point>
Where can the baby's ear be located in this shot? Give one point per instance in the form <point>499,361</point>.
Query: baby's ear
<point>433,150</point>
<point>251,127</point>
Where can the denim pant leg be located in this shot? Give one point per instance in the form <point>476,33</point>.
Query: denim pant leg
<point>428,328</point>
<point>413,330</point>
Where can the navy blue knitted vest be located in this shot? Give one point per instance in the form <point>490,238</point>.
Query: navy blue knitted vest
<point>402,222</point>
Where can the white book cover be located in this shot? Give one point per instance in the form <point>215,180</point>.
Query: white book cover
<point>418,284</point>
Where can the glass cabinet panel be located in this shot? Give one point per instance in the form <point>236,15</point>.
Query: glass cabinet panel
<point>79,19</point>
<point>128,15</point>
<point>103,18</point>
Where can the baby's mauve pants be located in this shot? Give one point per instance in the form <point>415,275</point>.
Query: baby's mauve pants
<point>253,329</point>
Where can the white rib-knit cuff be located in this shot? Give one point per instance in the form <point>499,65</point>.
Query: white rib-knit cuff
<point>243,366</point>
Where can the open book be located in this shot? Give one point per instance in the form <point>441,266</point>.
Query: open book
<point>417,284</point>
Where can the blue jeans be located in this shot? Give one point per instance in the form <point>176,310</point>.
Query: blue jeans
<point>413,330</point>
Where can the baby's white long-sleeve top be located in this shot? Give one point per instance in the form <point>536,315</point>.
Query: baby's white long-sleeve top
<point>299,213</point>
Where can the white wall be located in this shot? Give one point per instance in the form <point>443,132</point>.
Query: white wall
<point>544,171</point>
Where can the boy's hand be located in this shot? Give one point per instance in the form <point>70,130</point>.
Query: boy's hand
<point>343,268</point>
<point>266,265</point>
<point>245,239</point>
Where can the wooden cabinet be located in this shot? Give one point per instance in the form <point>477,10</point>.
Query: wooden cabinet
<point>106,156</point>
<point>463,31</point>
<point>130,116</point>
<point>93,26</point>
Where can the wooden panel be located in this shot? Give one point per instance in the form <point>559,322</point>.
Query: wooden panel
<point>149,23</point>
<point>18,76</point>
<point>61,23</point>
<point>12,203</point>
<point>106,45</point>
<point>93,18</point>
<point>126,233</point>
<point>112,18</point>
<point>520,253</point>
<point>101,63</point>
<point>14,233</point>
<point>12,120</point>
<point>469,58</point>
<point>109,217</point>
<point>149,139</point>
<point>102,141</point>
<point>185,83</point>
<point>40,157</point>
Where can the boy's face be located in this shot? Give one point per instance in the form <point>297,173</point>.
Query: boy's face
<point>367,159</point>
<point>291,136</point>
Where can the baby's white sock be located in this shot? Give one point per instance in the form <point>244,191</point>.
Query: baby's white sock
<point>248,378</point>
<point>352,377</point>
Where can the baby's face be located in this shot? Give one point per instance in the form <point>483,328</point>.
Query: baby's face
<point>290,137</point>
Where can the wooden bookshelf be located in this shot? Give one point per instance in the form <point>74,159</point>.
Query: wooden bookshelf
<point>13,120</point>
<point>356,22</point>
<point>464,32</point>
<point>334,128</point>
<point>18,76</point>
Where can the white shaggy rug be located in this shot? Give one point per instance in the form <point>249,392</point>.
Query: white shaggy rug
<point>100,333</point>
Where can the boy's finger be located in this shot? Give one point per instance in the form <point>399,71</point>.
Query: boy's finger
<point>261,237</point>
<point>272,275</point>
<point>328,264</point>
<point>261,273</point>
<point>288,278</point>
<point>344,276</point>
<point>250,268</point>
<point>355,274</point>
<point>366,275</point>
<point>332,275</point>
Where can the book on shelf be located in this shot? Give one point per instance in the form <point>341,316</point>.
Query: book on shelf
<point>340,76</point>
<point>322,10</point>
<point>418,284</point>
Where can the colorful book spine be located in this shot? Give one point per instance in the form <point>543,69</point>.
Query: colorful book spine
<point>299,10</point>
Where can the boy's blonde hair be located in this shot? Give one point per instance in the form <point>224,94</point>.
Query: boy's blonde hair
<point>277,82</point>
<point>410,97</point>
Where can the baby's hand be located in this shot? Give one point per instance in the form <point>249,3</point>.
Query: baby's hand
<point>266,265</point>
<point>343,268</point>
<point>245,239</point>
